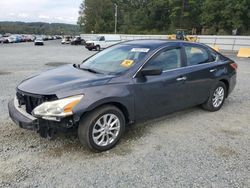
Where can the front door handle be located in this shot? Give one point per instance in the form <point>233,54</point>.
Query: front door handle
<point>213,70</point>
<point>181,78</point>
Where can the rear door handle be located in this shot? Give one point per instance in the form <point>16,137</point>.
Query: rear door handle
<point>181,78</point>
<point>213,70</point>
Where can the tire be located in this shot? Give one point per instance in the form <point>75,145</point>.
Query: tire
<point>98,48</point>
<point>210,104</point>
<point>89,123</point>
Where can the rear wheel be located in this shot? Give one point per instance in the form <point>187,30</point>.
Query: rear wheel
<point>101,129</point>
<point>98,48</point>
<point>216,98</point>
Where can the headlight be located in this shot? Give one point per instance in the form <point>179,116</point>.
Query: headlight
<point>58,108</point>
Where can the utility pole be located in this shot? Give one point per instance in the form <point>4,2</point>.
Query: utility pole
<point>183,7</point>
<point>116,18</point>
<point>182,10</point>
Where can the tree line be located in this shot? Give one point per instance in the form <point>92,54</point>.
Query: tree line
<point>165,16</point>
<point>40,28</point>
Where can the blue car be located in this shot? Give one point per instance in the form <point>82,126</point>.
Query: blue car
<point>18,38</point>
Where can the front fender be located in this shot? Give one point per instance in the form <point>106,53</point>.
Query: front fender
<point>96,97</point>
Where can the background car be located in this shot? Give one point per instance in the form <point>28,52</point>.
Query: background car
<point>39,41</point>
<point>5,40</point>
<point>30,38</point>
<point>66,40</point>
<point>11,39</point>
<point>102,41</point>
<point>58,37</point>
<point>78,41</point>
<point>19,38</point>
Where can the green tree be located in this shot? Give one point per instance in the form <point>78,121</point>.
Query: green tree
<point>96,16</point>
<point>224,16</point>
<point>165,16</point>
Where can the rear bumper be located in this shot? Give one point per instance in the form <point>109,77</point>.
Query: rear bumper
<point>232,84</point>
<point>21,117</point>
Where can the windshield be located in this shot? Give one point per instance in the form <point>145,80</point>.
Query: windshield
<point>116,59</point>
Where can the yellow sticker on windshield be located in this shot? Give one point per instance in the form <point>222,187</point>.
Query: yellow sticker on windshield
<point>127,63</point>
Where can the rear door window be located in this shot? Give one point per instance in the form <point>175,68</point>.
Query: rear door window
<point>196,55</point>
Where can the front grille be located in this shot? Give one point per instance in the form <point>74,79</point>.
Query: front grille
<point>31,101</point>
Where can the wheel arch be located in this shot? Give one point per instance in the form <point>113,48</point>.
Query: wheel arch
<point>119,105</point>
<point>98,46</point>
<point>226,82</point>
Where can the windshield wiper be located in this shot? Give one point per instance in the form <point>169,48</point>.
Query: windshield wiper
<point>90,70</point>
<point>86,69</point>
<point>76,65</point>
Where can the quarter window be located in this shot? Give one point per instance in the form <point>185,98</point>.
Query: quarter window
<point>196,55</point>
<point>166,60</point>
<point>214,55</point>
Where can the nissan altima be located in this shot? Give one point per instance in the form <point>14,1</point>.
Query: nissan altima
<point>123,84</point>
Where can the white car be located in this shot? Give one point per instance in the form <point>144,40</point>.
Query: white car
<point>39,41</point>
<point>103,41</point>
<point>66,40</point>
<point>11,39</point>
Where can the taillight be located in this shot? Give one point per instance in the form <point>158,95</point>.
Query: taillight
<point>234,66</point>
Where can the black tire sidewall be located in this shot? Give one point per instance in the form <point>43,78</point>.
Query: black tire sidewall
<point>98,48</point>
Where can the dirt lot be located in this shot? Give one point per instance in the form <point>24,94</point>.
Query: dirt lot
<point>191,148</point>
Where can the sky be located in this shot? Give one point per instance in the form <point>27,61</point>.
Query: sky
<point>51,11</point>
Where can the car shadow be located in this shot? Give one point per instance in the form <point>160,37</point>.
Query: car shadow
<point>132,134</point>
<point>69,144</point>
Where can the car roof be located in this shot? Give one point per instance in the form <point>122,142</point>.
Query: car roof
<point>156,43</point>
<point>147,43</point>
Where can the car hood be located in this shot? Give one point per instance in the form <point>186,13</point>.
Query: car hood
<point>90,41</point>
<point>62,81</point>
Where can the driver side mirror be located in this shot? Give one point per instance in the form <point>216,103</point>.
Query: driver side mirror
<point>151,71</point>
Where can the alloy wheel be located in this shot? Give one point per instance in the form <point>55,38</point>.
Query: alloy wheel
<point>218,97</point>
<point>106,129</point>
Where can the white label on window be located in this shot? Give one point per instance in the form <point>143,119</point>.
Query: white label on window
<point>145,50</point>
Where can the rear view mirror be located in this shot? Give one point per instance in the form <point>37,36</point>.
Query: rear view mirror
<point>151,71</point>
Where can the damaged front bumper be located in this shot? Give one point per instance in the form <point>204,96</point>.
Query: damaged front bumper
<point>21,117</point>
<point>45,128</point>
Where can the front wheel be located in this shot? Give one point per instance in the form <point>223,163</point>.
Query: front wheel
<point>216,98</point>
<point>101,129</point>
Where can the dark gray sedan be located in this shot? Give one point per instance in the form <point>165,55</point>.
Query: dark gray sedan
<point>126,83</point>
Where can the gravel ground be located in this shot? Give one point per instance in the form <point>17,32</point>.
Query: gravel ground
<point>191,148</point>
